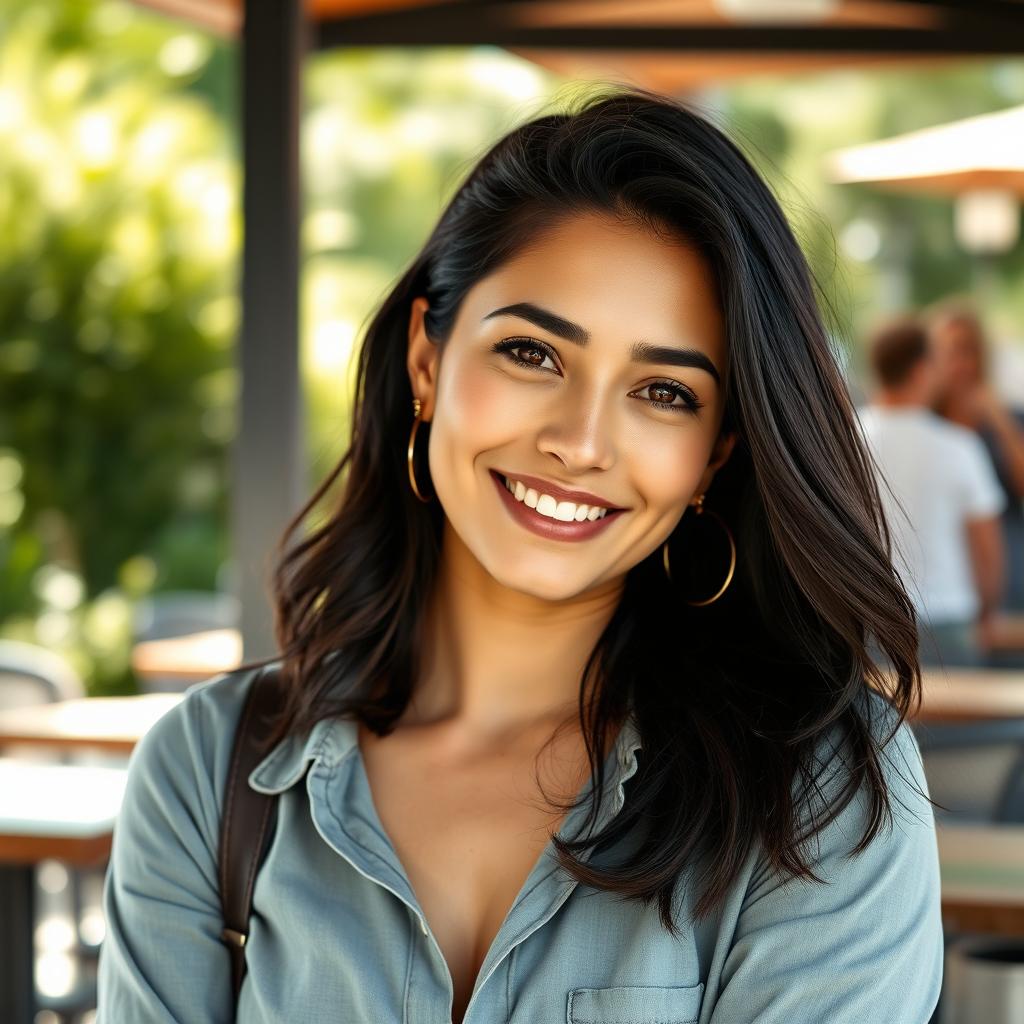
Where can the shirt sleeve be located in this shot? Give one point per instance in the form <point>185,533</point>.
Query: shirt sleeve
<point>162,959</point>
<point>981,493</point>
<point>867,945</point>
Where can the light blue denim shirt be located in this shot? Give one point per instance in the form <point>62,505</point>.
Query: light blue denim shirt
<point>338,936</point>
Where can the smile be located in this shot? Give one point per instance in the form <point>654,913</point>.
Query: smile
<point>546,505</point>
<point>547,517</point>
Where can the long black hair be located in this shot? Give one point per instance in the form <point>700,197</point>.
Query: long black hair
<point>732,699</point>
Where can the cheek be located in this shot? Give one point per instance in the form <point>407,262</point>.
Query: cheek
<point>478,406</point>
<point>666,463</point>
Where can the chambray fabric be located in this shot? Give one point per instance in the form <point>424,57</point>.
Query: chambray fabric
<point>338,937</point>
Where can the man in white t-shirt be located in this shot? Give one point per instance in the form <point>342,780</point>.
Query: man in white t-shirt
<point>945,501</point>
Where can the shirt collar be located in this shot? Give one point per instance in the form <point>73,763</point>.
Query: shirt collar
<point>331,739</point>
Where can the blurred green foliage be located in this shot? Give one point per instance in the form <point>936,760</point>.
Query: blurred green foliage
<point>118,208</point>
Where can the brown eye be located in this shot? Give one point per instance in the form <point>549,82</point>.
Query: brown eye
<point>663,395</point>
<point>536,352</point>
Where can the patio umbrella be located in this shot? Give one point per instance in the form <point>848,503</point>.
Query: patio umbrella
<point>983,152</point>
<point>978,160</point>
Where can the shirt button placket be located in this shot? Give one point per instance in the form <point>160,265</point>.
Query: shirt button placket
<point>424,1009</point>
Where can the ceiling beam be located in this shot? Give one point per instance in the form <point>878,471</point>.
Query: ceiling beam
<point>493,23</point>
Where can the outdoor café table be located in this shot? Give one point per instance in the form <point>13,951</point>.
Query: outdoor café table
<point>982,869</point>
<point>66,812</point>
<point>111,724</point>
<point>190,658</point>
<point>971,695</point>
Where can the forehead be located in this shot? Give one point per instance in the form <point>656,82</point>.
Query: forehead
<point>619,280</point>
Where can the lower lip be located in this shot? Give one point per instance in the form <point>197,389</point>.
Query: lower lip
<point>543,526</point>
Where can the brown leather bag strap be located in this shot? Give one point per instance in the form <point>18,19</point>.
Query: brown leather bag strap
<point>247,823</point>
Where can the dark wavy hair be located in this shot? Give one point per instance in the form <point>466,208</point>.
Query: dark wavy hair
<point>734,699</point>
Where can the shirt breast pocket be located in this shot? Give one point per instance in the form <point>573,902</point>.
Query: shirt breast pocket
<point>647,1004</point>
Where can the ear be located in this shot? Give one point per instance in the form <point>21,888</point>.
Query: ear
<point>422,359</point>
<point>720,453</point>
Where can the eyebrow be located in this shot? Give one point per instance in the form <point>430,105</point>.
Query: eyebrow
<point>640,351</point>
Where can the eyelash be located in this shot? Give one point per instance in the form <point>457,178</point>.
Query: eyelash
<point>507,346</point>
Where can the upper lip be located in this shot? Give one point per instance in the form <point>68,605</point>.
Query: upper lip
<point>564,493</point>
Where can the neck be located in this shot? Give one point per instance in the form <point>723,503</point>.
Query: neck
<point>499,660</point>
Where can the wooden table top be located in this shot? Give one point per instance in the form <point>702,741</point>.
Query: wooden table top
<point>192,658</point>
<point>114,724</point>
<point>56,810</point>
<point>968,695</point>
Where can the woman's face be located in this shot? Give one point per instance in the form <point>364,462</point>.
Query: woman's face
<point>956,345</point>
<point>594,362</point>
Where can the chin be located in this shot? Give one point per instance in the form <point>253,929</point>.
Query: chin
<point>552,585</point>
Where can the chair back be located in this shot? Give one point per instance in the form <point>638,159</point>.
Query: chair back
<point>975,769</point>
<point>30,674</point>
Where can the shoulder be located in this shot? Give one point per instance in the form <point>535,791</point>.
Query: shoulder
<point>187,750</point>
<point>964,441</point>
<point>881,424</point>
<point>833,827</point>
<point>862,939</point>
<point>869,418</point>
<point>909,818</point>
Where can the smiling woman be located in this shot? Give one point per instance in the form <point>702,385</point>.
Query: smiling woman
<point>578,668</point>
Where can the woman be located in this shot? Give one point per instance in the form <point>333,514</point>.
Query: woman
<point>577,674</point>
<point>965,396</point>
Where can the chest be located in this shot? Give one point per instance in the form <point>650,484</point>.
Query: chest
<point>468,836</point>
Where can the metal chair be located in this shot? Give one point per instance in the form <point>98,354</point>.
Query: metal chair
<point>31,675</point>
<point>975,769</point>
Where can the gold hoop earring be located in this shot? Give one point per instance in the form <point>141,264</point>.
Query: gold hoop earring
<point>701,510</point>
<point>416,406</point>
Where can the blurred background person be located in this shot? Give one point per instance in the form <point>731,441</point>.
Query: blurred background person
<point>940,495</point>
<point>965,395</point>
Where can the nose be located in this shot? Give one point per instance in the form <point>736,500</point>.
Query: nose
<point>579,433</point>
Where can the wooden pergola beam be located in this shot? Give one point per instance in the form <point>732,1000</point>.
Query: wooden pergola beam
<point>947,27</point>
<point>441,32</point>
<point>268,478</point>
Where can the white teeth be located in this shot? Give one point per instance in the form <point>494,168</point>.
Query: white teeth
<point>546,505</point>
<point>565,511</point>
